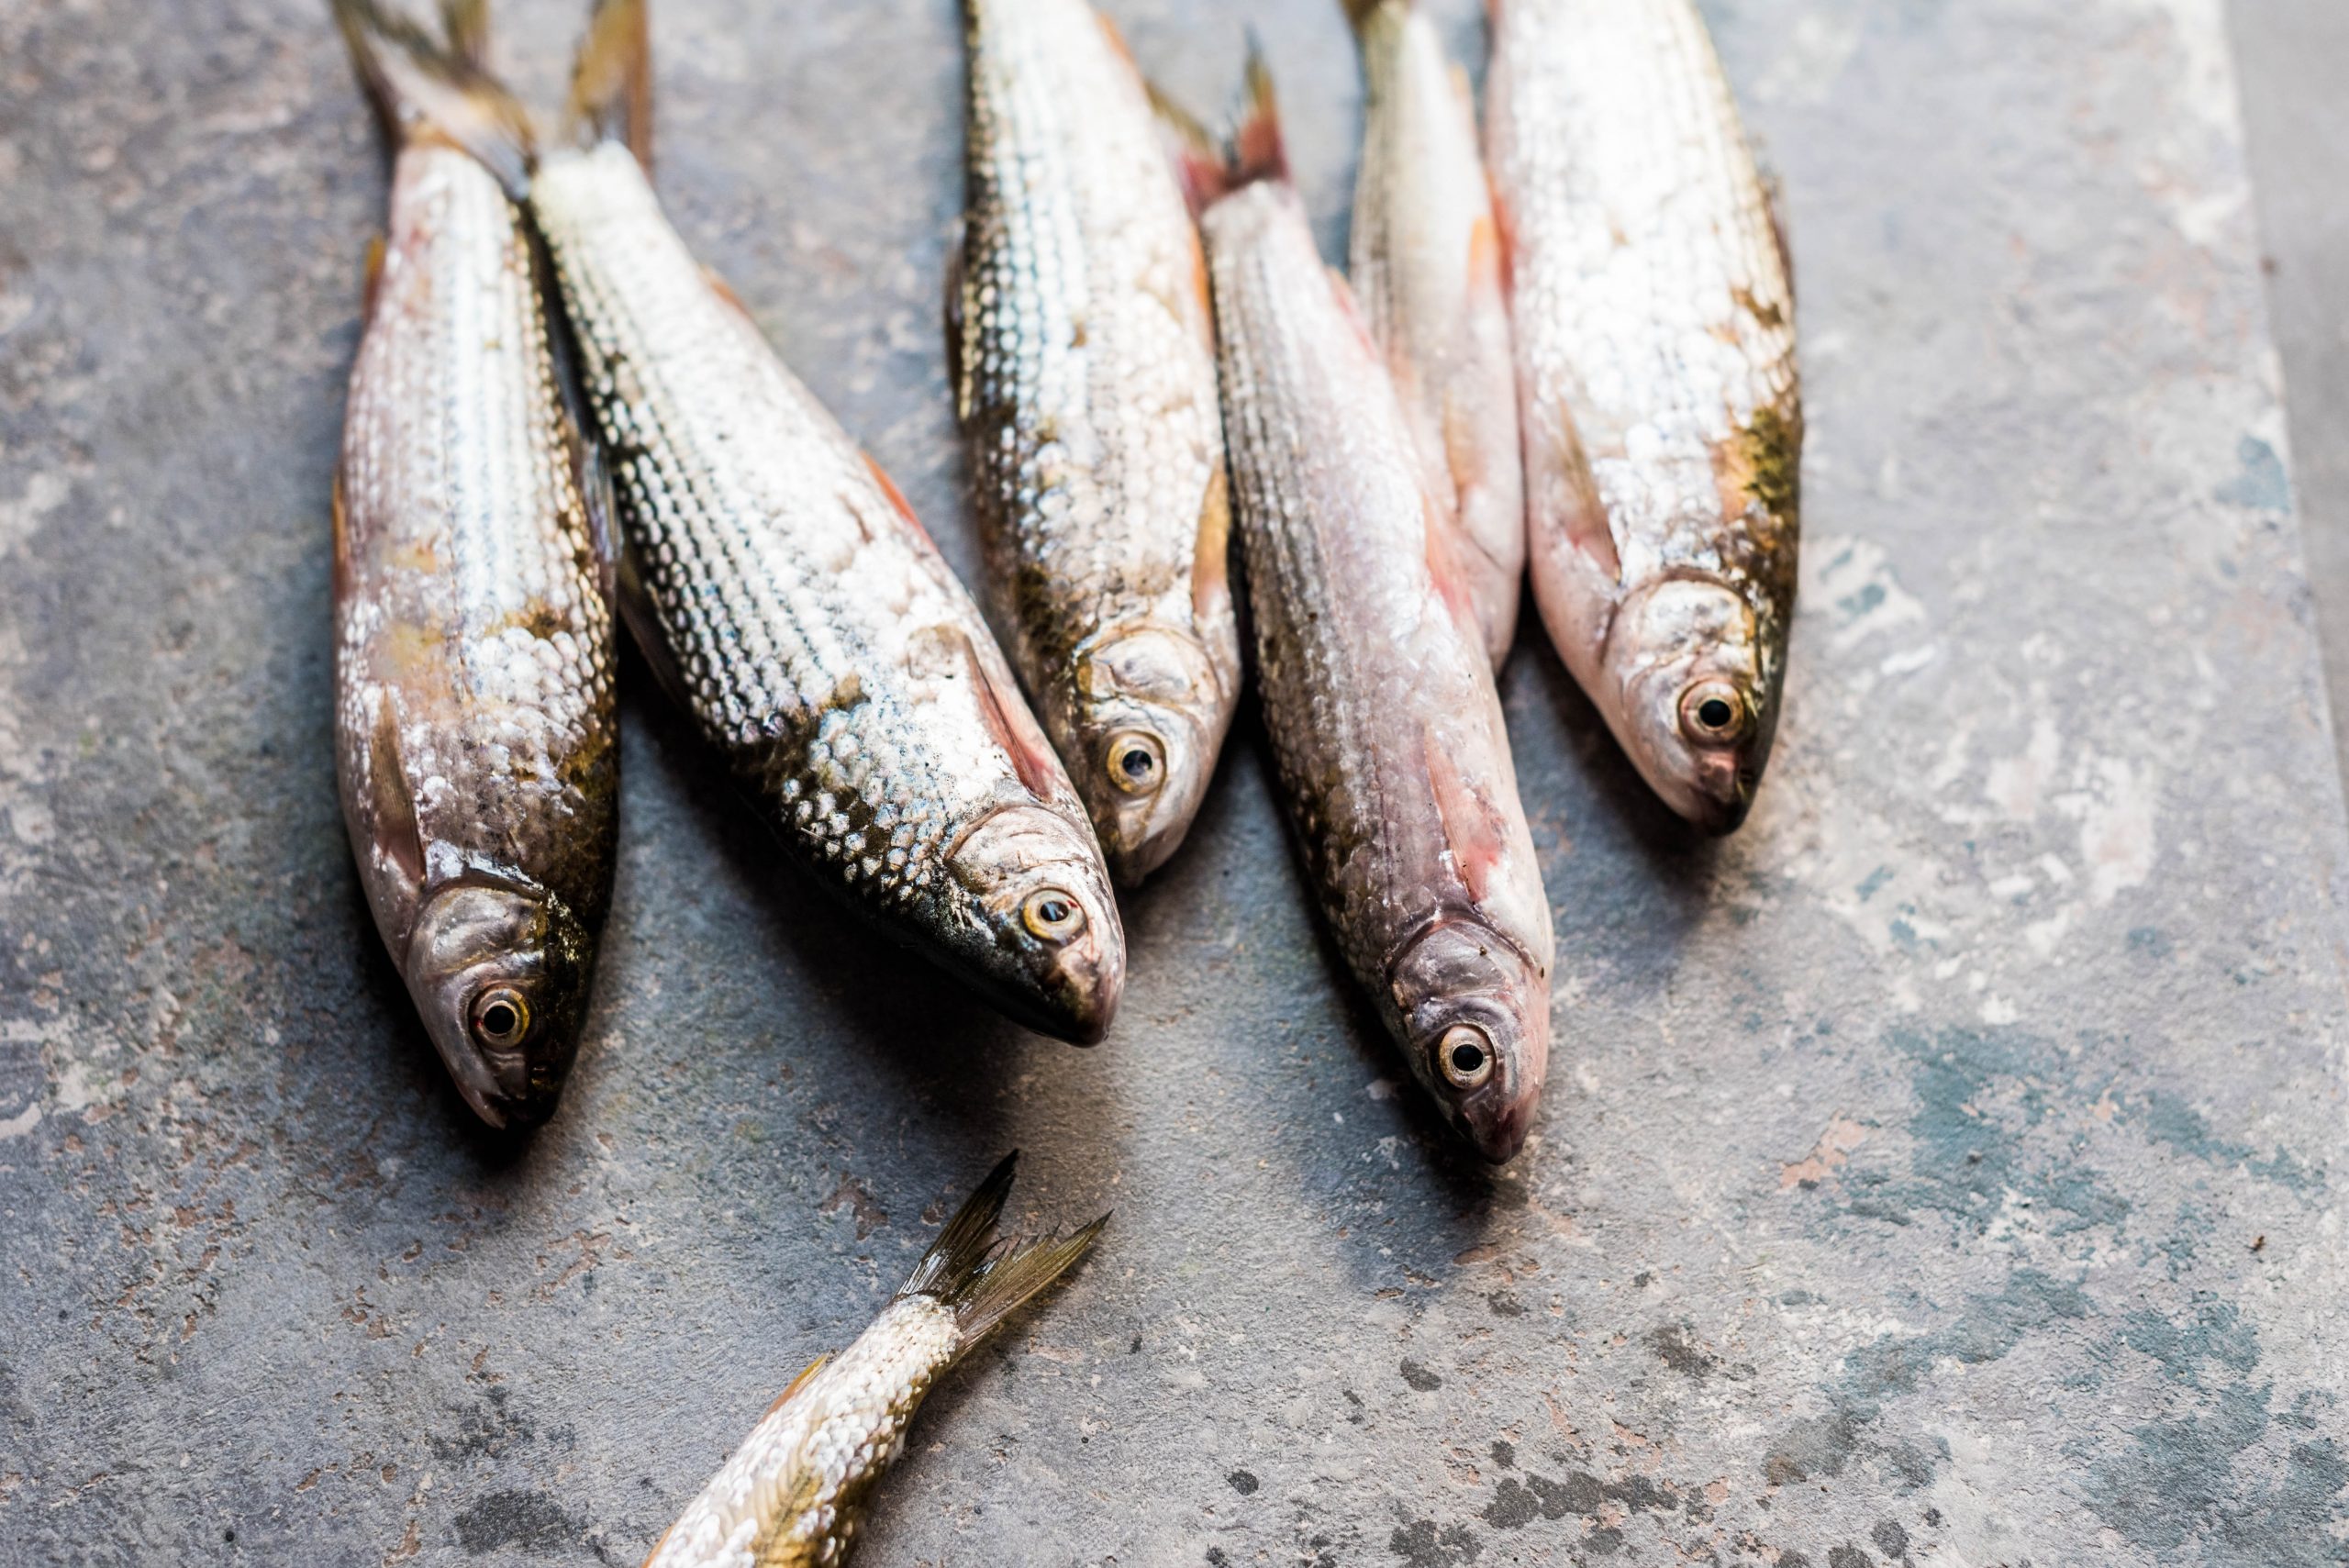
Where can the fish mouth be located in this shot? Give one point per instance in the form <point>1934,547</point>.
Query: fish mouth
<point>1052,952</point>
<point>499,1090</point>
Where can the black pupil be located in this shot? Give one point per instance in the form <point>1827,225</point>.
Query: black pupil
<point>498,1019</point>
<point>1714,713</point>
<point>1137,763</point>
<point>1467,1058</point>
<point>1052,911</point>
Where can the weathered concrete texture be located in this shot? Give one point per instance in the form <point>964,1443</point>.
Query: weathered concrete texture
<point>1946,1170</point>
<point>2290,53</point>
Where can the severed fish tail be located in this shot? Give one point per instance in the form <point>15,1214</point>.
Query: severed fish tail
<point>611,84</point>
<point>984,1277</point>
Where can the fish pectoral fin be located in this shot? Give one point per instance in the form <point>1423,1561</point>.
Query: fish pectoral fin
<point>1007,722</point>
<point>799,1384</point>
<point>1471,829</point>
<point>396,832</point>
<point>341,539</point>
<point>371,288</point>
<point>636,607</point>
<point>1211,554</point>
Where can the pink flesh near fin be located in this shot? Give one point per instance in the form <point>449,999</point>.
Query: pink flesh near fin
<point>1477,846</point>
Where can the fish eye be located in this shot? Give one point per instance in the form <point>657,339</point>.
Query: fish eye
<point>1464,1055</point>
<point>1053,915</point>
<point>1136,760</point>
<point>1714,713</point>
<point>501,1017</point>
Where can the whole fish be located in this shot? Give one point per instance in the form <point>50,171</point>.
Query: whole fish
<point>1084,351</point>
<point>1377,691</point>
<point>789,597</point>
<point>1655,350</point>
<point>1426,267</point>
<point>476,744</point>
<point>794,1494</point>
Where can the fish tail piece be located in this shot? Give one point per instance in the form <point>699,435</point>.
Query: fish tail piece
<point>611,84</point>
<point>1359,12</point>
<point>983,1277</point>
<point>420,84</point>
<point>1210,170</point>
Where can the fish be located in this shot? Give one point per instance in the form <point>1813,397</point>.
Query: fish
<point>794,1494</point>
<point>1425,264</point>
<point>477,736</point>
<point>1377,694</point>
<point>1654,307</point>
<point>1082,349</point>
<point>784,591</point>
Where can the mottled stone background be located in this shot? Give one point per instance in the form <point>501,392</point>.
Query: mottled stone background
<point>1947,1170</point>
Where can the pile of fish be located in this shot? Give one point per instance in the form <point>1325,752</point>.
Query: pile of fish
<point>1566,344</point>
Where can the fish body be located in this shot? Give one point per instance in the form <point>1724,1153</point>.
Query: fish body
<point>1376,688</point>
<point>781,586</point>
<point>794,1494</point>
<point>476,740</point>
<point>1654,314</point>
<point>1426,270</point>
<point>1083,343</point>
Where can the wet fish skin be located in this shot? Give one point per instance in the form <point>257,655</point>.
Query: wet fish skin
<point>1377,692</point>
<point>1083,345</point>
<point>1426,268</point>
<point>1653,312</point>
<point>476,739</point>
<point>794,1494</point>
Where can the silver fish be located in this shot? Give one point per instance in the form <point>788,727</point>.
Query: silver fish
<point>1377,691</point>
<point>790,598</point>
<point>1425,269</point>
<point>1084,350</point>
<point>475,736</point>
<point>1654,312</point>
<point>794,1494</point>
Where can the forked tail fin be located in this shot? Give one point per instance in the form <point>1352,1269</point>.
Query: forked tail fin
<point>611,84</point>
<point>421,86</point>
<point>984,1277</point>
<point>1211,171</point>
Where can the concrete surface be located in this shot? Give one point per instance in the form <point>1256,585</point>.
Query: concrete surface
<point>1945,1171</point>
<point>2290,53</point>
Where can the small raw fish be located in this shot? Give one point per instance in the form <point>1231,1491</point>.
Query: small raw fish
<point>794,1494</point>
<point>1427,272</point>
<point>1376,688</point>
<point>1084,350</point>
<point>1656,347</point>
<point>476,745</point>
<point>790,599</point>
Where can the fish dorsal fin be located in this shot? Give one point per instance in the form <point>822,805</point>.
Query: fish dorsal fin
<point>798,1385</point>
<point>397,834</point>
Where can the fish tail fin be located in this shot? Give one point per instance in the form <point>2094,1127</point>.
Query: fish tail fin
<point>1359,12</point>
<point>1256,153</point>
<point>985,1277</point>
<point>420,84</point>
<point>611,84</point>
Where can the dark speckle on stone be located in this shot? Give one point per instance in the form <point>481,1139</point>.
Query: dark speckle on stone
<point>1243,1482</point>
<point>1793,1560</point>
<point>1420,1377</point>
<point>1505,1303</point>
<point>1513,1506</point>
<point>1890,1538</point>
<point>1215,1558</point>
<point>1606,1543</point>
<point>1642,1279</point>
<point>1675,1350</point>
<point>1421,1545</point>
<point>1934,1517</point>
<point>1848,1557</point>
<point>527,1520</point>
<point>1503,1453</point>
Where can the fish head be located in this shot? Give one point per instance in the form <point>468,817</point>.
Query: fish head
<point>500,975</point>
<point>1696,711</point>
<point>1150,712</point>
<point>1474,1015</point>
<point>1052,952</point>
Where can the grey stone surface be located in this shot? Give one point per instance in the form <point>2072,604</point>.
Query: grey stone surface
<point>1946,1170</point>
<point>2290,53</point>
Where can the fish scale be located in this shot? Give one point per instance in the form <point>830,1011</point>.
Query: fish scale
<point>811,629</point>
<point>1654,316</point>
<point>1085,391</point>
<point>1377,689</point>
<point>476,725</point>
